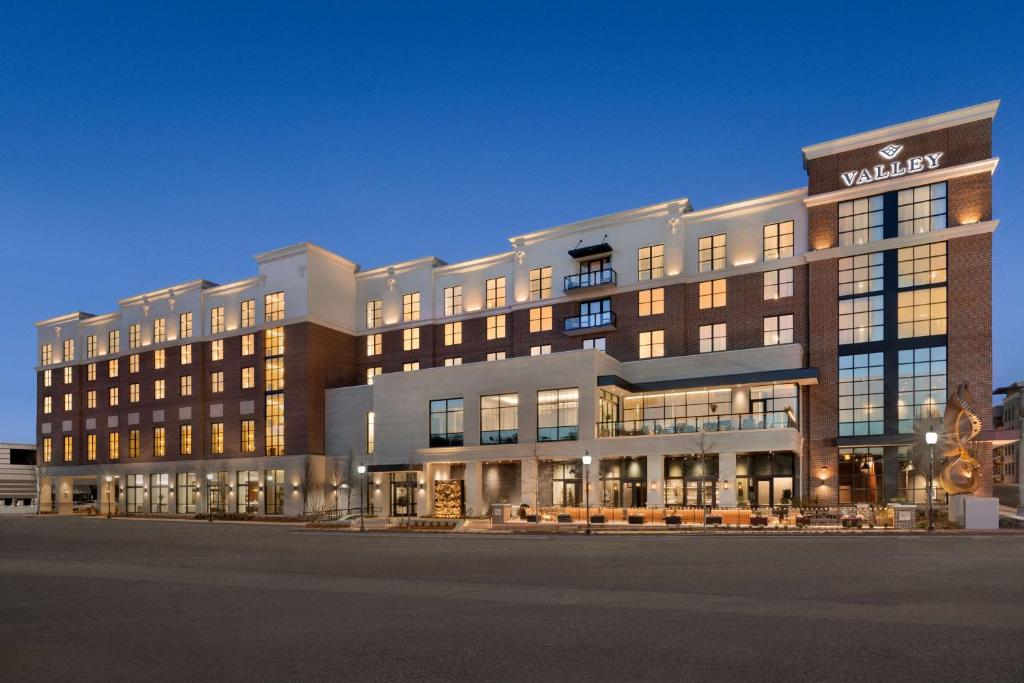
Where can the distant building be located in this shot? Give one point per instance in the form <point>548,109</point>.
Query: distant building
<point>1006,479</point>
<point>17,477</point>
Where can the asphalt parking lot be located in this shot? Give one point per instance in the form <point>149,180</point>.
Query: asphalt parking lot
<point>96,599</point>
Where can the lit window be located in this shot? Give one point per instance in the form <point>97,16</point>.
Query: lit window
<point>90,447</point>
<point>410,367</point>
<point>540,283</point>
<point>496,355</point>
<point>374,344</point>
<point>134,335</point>
<point>541,350</point>
<point>248,312</point>
<point>133,363</point>
<point>495,292</point>
<point>114,341</point>
<point>68,374</point>
<point>133,392</point>
<point>373,372</point>
<point>185,325</point>
<point>558,414</point>
<point>922,385</point>
<point>69,449</point>
<point>217,349</point>
<point>540,319</point>
<point>922,265</point>
<point>778,240</point>
<point>453,300</point>
<point>90,372</point>
<point>451,362</point>
<point>922,312</point>
<point>159,442</point>
<point>411,339</point>
<point>248,378</point>
<point>159,359</point>
<point>216,320</point>
<point>273,374</point>
<point>133,443</point>
<point>159,389</point>
<point>652,344</point>
<point>374,313</point>
<point>113,396</point>
<point>185,384</point>
<point>370,436</point>
<point>650,262</point>
<point>217,438</point>
<point>860,220</point>
<point>274,436</point>
<point>273,342</point>
<point>159,330</point>
<point>651,301</point>
<point>113,446</point>
<point>47,378</point>
<point>248,443</point>
<point>113,368</point>
<point>861,320</point>
<point>712,338</point>
<point>90,398</point>
<point>69,350</point>
<point>411,307</point>
<point>861,274</point>
<point>90,346</point>
<point>273,306</point>
<point>922,209</point>
<point>185,440</point>
<point>778,329</point>
<point>861,394</point>
<point>217,382</point>
<point>186,354</point>
<point>711,253</point>
<point>446,423</point>
<point>499,419</point>
<point>496,327</point>
<point>47,405</point>
<point>248,344</point>
<point>452,334</point>
<point>47,449</point>
<point>594,343</point>
<point>45,354</point>
<point>712,293</point>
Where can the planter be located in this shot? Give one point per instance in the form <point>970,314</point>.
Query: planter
<point>564,518</point>
<point>673,519</point>
<point>714,519</point>
<point>758,520</point>
<point>803,521</point>
<point>636,519</point>
<point>532,518</point>
<point>852,522</point>
<point>597,519</point>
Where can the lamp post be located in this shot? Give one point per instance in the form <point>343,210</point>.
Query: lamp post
<point>109,479</point>
<point>587,459</point>
<point>362,508</point>
<point>931,438</point>
<point>209,500</point>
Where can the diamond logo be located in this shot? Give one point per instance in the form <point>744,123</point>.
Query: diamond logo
<point>890,151</point>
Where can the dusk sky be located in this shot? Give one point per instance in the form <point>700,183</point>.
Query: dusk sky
<point>144,147</point>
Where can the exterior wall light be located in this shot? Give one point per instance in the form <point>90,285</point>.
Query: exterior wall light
<point>823,477</point>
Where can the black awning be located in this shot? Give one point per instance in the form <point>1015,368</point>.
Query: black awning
<point>397,467</point>
<point>592,250</point>
<point>762,377</point>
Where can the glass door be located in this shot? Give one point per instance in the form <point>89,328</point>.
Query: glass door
<point>403,496</point>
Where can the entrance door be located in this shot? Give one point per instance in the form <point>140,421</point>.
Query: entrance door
<point>764,492</point>
<point>403,496</point>
<point>634,494</point>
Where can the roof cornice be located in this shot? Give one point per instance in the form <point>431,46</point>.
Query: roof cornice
<point>903,182</point>
<point>681,205</point>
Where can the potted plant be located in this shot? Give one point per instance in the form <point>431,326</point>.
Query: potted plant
<point>564,517</point>
<point>636,519</point>
<point>597,519</point>
<point>715,520</point>
<point>757,518</point>
<point>673,519</point>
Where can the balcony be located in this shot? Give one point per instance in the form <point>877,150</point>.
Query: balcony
<point>592,322</point>
<point>592,280</point>
<point>693,425</point>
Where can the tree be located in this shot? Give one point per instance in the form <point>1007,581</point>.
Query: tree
<point>42,473</point>
<point>312,489</point>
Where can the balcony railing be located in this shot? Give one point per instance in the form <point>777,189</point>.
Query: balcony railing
<point>692,425</point>
<point>591,320</point>
<point>596,278</point>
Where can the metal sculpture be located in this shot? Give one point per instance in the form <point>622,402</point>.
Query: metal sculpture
<point>954,451</point>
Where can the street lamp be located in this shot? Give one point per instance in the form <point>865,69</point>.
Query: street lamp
<point>587,459</point>
<point>931,438</point>
<point>362,523</point>
<point>209,499</point>
<point>109,479</point>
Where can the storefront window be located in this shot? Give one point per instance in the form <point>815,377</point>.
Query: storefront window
<point>860,476</point>
<point>686,475</point>
<point>624,482</point>
<point>558,414</point>
<point>185,493</point>
<point>159,493</point>
<point>566,483</point>
<point>247,491</point>
<point>764,479</point>
<point>217,492</point>
<point>274,493</point>
<point>134,485</point>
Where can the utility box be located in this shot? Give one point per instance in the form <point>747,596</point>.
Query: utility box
<point>903,516</point>
<point>500,513</point>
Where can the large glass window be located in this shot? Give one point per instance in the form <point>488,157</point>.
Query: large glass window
<point>676,412</point>
<point>273,306</point>
<point>861,394</point>
<point>274,434</point>
<point>922,312</point>
<point>540,283</point>
<point>778,240</point>
<point>247,492</point>
<point>711,253</point>
<point>374,313</point>
<point>712,293</point>
<point>691,480</point>
<point>922,209</point>
<point>650,262</point>
<point>566,483</point>
<point>924,264</point>
<point>248,312</point>
<point>453,333</point>
<point>274,494</point>
<point>623,482</point>
<point>374,344</point>
<point>558,414</point>
<point>861,274</point>
<point>134,491</point>
<point>712,337</point>
<point>652,344</point>
<point>861,476</point>
<point>248,436</point>
<point>216,320</point>
<point>446,422</point>
<point>860,220</point>
<point>453,300</point>
<point>411,339</point>
<point>540,319</point>
<point>922,385</point>
<point>159,493</point>
<point>861,320</point>
<point>496,327</point>
<point>778,329</point>
<point>499,419</point>
<point>651,301</point>
<point>185,493</point>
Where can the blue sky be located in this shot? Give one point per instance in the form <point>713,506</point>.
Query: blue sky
<point>143,146</point>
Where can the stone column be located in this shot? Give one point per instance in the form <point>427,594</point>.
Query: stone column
<point>727,479</point>
<point>45,494</point>
<point>655,481</point>
<point>106,501</point>
<point>593,478</point>
<point>528,482</point>
<point>65,493</point>
<point>473,485</point>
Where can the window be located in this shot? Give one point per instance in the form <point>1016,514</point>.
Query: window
<point>860,220</point>
<point>540,283</point>
<point>273,374</point>
<point>90,372</point>
<point>216,320</point>
<point>185,440</point>
<point>712,293</point>
<point>496,355</point>
<point>712,338</point>
<point>185,325</point>
<point>651,301</point>
<point>185,385</point>
<point>860,475</point>
<point>652,344</point>
<point>922,312</point>
<point>446,423</point>
<point>922,209</point>
<point>186,354</point>
<point>133,491</point>
<point>186,487</point>
<point>411,306</point>
<point>159,389</point>
<point>90,398</point>
<point>711,253</point>
<point>373,372</point>
<point>68,402</point>
<point>159,493</point>
<point>273,306</point>
<point>541,350</point>
<point>69,350</point>
<point>496,327</point>
<point>922,265</point>
<point>47,449</point>
<point>861,320</point>
<point>778,329</point>
<point>159,442</point>
<point>451,362</point>
<point>217,349</point>
<point>114,341</point>
<point>273,500</point>
<point>133,392</point>
<point>411,367</point>
<point>274,436</point>
<point>90,447</point>
<point>861,394</point>
<point>495,292</point>
<point>371,439</point>
<point>411,339</point>
<point>69,449</point>
<point>248,344</point>
<point>778,240</point>
<point>374,313</point>
<point>861,274</point>
<point>160,359</point>
<point>90,346</point>
<point>273,342</point>
<point>47,378</point>
<point>374,344</point>
<point>558,414</point>
<point>159,330</point>
<point>217,438</point>
<point>499,419</point>
<point>113,446</point>
<point>133,363</point>
<point>540,319</point>
<point>134,336</point>
<point>452,333</point>
<point>133,443</point>
<point>247,492</point>
<point>248,377</point>
<point>650,262</point>
<point>248,312</point>
<point>453,300</point>
<point>594,343</point>
<point>248,439</point>
<point>45,354</point>
<point>113,396</point>
<point>68,374</point>
<point>217,382</point>
<point>922,385</point>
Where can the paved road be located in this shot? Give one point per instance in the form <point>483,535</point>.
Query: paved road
<point>92,599</point>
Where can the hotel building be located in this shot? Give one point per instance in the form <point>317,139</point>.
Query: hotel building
<point>774,349</point>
